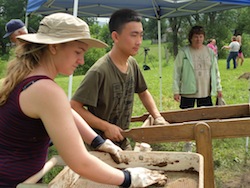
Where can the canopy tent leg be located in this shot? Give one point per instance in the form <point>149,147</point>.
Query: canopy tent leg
<point>159,56</point>
<point>247,138</point>
<point>75,10</point>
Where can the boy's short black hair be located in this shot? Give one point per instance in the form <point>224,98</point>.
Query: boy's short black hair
<point>195,30</point>
<point>121,17</point>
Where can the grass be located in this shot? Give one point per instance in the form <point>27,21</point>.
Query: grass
<point>3,65</point>
<point>229,154</point>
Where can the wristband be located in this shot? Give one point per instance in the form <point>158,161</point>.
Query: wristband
<point>97,141</point>
<point>127,179</point>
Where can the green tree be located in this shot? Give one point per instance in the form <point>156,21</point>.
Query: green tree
<point>10,10</point>
<point>175,24</point>
<point>151,28</point>
<point>218,25</point>
<point>92,55</point>
<point>106,36</point>
<point>243,28</point>
<point>243,21</point>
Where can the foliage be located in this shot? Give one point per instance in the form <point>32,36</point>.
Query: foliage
<point>4,62</point>
<point>175,37</point>
<point>9,10</point>
<point>3,65</point>
<point>33,22</point>
<point>243,21</point>
<point>90,21</point>
<point>105,36</point>
<point>55,170</point>
<point>221,31</point>
<point>151,28</point>
<point>91,56</point>
<point>219,25</point>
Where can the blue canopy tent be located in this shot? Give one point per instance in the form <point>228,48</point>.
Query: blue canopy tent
<point>156,9</point>
<point>148,8</point>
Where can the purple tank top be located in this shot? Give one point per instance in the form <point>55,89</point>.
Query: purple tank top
<point>23,140</point>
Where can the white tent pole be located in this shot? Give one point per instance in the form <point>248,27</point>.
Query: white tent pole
<point>26,20</point>
<point>75,9</point>
<point>159,55</point>
<point>247,138</point>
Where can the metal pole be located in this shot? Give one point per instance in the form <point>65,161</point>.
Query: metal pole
<point>71,76</point>
<point>247,138</point>
<point>159,55</point>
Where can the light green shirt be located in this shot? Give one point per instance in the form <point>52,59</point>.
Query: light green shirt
<point>185,75</point>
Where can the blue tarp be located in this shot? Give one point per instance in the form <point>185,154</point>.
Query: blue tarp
<point>242,2</point>
<point>34,5</point>
<point>147,8</point>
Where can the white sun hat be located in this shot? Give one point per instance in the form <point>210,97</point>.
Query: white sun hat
<point>60,28</point>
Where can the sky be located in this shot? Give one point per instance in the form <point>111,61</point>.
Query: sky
<point>105,20</point>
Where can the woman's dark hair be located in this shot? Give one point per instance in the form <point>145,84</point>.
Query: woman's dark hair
<point>195,30</point>
<point>121,17</point>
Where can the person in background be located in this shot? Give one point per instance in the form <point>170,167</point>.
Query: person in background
<point>14,28</point>
<point>108,87</point>
<point>213,46</point>
<point>240,56</point>
<point>34,109</point>
<point>196,75</point>
<point>233,48</point>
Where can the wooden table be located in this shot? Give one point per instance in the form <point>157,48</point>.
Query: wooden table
<point>199,124</point>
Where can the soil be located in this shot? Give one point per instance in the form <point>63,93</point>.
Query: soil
<point>240,179</point>
<point>243,181</point>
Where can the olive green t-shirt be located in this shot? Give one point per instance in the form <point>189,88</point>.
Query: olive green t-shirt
<point>108,93</point>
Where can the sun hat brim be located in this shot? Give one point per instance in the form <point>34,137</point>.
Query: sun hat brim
<point>45,39</point>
